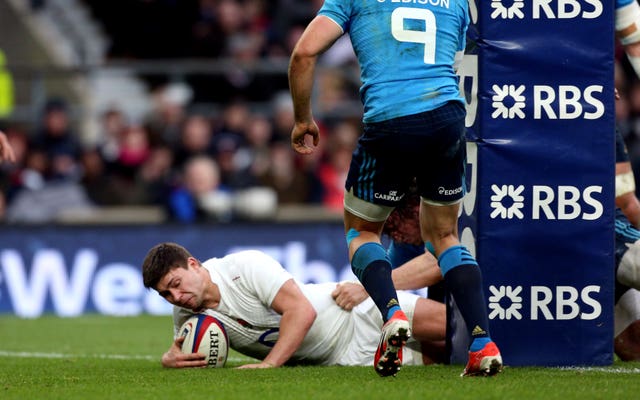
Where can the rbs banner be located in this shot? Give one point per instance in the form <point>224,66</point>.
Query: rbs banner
<point>543,138</point>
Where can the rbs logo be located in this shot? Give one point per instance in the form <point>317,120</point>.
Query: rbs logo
<point>547,9</point>
<point>562,102</point>
<point>563,303</point>
<point>562,203</point>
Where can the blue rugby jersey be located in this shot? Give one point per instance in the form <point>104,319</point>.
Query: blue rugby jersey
<point>406,51</point>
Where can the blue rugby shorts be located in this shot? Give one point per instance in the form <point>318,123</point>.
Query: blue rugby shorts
<point>428,148</point>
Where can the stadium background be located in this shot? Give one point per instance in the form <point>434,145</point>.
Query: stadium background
<point>147,85</point>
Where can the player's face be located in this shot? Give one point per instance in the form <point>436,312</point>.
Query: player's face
<point>183,287</point>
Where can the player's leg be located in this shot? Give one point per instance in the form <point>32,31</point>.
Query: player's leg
<point>627,309</point>
<point>370,263</point>
<point>627,252</point>
<point>626,198</point>
<point>428,327</point>
<point>627,326</point>
<point>373,188</point>
<point>442,187</point>
<point>429,320</point>
<point>464,280</point>
<point>627,343</point>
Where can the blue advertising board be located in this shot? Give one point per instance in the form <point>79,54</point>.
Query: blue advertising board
<point>69,271</point>
<point>543,138</point>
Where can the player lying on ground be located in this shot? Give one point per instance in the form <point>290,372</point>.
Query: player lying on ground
<point>269,316</point>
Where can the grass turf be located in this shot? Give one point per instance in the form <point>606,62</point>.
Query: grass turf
<point>97,357</point>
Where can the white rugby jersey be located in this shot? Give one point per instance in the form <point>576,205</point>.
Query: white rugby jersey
<point>248,282</point>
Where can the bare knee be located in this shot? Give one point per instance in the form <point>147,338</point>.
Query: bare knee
<point>429,320</point>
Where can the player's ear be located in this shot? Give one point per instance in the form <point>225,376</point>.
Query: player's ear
<point>193,263</point>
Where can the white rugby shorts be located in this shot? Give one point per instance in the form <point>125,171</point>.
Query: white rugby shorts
<point>368,324</point>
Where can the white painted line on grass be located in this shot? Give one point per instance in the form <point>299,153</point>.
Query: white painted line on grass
<point>612,370</point>
<point>30,354</point>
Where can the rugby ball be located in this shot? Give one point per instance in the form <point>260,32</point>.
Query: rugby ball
<point>205,334</point>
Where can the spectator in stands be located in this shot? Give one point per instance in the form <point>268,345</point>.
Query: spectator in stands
<point>234,173</point>
<point>291,184</point>
<point>207,38</point>
<point>196,138</point>
<point>96,179</point>
<point>7,153</point>
<point>334,169</point>
<point>14,148</point>
<point>168,113</point>
<point>47,200</point>
<point>229,147</point>
<point>282,111</point>
<point>49,183</point>
<point>134,147</point>
<point>115,182</point>
<point>59,142</point>
<point>259,136</point>
<point>200,195</point>
<point>235,117</point>
<point>155,175</point>
<point>113,125</point>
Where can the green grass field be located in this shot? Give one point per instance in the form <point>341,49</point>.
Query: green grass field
<point>96,357</point>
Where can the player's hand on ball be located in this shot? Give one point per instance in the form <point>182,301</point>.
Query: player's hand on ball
<point>175,358</point>
<point>349,294</point>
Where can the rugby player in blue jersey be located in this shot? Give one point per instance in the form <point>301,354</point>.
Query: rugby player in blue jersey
<point>413,129</point>
<point>627,311</point>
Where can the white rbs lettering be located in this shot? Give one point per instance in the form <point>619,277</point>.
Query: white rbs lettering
<point>566,9</point>
<point>566,102</point>
<point>568,303</point>
<point>568,204</point>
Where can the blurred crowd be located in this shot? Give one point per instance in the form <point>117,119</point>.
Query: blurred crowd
<point>229,162</point>
<point>238,165</point>
<point>197,163</point>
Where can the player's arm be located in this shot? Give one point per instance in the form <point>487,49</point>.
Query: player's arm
<point>6,152</point>
<point>628,31</point>
<point>319,35</point>
<point>417,273</point>
<point>626,198</point>
<point>297,317</point>
<point>175,358</point>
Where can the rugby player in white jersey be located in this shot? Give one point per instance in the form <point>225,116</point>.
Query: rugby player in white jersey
<point>269,316</point>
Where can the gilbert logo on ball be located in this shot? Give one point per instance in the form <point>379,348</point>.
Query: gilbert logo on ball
<point>206,335</point>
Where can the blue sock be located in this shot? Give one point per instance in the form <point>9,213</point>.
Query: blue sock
<point>428,246</point>
<point>391,311</point>
<point>479,343</point>
<point>464,280</point>
<point>373,269</point>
